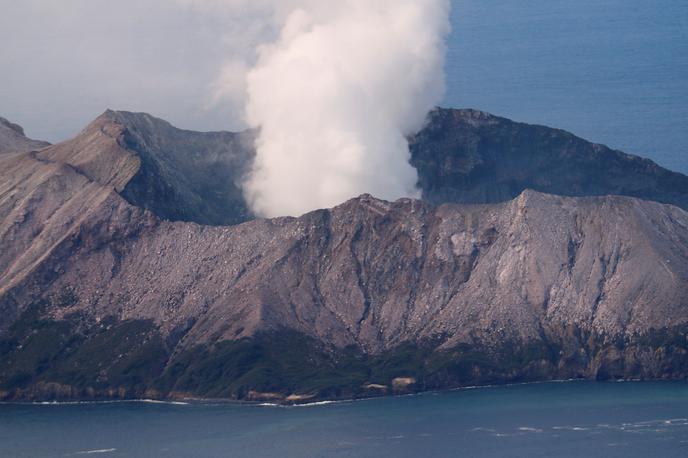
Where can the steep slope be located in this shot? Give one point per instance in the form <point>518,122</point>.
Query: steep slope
<point>186,175</point>
<point>103,299</point>
<point>376,274</point>
<point>179,175</point>
<point>12,138</point>
<point>474,157</point>
<point>104,293</point>
<point>462,156</point>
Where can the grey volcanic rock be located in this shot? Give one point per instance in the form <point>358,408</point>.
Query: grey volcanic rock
<point>589,283</point>
<point>462,156</point>
<point>469,156</point>
<point>103,298</point>
<point>377,274</point>
<point>12,138</point>
<point>179,175</point>
<point>186,175</point>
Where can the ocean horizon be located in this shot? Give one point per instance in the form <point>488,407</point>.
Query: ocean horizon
<point>613,72</point>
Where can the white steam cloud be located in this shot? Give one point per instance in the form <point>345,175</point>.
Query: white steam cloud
<point>335,90</point>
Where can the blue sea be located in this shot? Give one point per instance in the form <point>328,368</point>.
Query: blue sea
<point>566,419</point>
<point>611,71</point>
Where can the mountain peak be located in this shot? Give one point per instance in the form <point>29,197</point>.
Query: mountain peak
<point>135,119</point>
<point>15,127</point>
<point>184,175</point>
<point>13,139</point>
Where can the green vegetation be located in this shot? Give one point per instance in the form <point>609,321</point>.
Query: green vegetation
<point>130,359</point>
<point>285,362</point>
<point>97,356</point>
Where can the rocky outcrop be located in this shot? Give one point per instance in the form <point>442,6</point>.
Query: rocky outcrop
<point>103,298</point>
<point>186,175</point>
<point>470,156</point>
<point>179,175</point>
<point>12,138</point>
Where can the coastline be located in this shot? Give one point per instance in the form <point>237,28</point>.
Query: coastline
<point>187,401</point>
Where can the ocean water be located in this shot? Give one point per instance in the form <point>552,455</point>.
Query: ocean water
<point>611,71</point>
<point>570,419</point>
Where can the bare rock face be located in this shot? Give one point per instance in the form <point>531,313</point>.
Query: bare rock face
<point>12,138</point>
<point>469,156</point>
<point>376,274</point>
<point>100,297</point>
<point>180,175</point>
<point>186,175</point>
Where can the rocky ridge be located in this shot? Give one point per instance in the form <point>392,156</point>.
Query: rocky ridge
<point>101,298</point>
<point>462,156</point>
<point>470,156</point>
<point>13,139</point>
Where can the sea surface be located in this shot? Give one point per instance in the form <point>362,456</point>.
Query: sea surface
<point>611,71</point>
<point>565,419</point>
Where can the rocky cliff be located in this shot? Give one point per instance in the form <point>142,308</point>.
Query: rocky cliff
<point>474,157</point>
<point>12,138</point>
<point>102,296</point>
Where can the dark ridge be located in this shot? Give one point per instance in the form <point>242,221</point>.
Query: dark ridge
<point>462,156</point>
<point>468,156</point>
<point>13,139</point>
<point>187,175</point>
<point>15,127</point>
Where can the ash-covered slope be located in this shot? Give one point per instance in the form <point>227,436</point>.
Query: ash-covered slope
<point>99,298</point>
<point>12,138</point>
<point>186,175</point>
<point>102,296</point>
<point>376,274</point>
<point>177,174</point>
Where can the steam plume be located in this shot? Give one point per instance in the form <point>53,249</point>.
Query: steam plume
<point>334,93</point>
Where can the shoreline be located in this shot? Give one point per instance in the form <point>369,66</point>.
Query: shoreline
<point>238,402</point>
